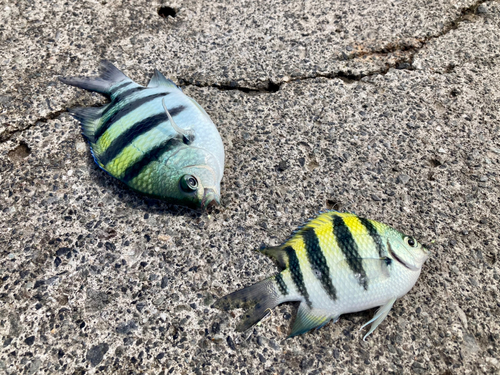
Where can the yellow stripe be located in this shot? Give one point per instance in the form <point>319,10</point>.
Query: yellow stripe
<point>131,153</point>
<point>104,141</point>
<point>127,157</point>
<point>300,249</point>
<point>328,243</point>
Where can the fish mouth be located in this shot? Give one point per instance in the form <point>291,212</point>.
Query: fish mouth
<point>210,199</point>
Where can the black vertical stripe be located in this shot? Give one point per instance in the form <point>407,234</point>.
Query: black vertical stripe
<point>318,261</point>
<point>119,87</point>
<point>128,136</point>
<point>374,235</point>
<point>350,249</point>
<point>120,97</point>
<point>281,284</point>
<point>135,169</point>
<point>125,110</point>
<point>297,277</point>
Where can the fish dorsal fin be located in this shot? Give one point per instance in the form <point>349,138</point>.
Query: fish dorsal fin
<point>278,254</point>
<point>308,319</point>
<point>159,79</point>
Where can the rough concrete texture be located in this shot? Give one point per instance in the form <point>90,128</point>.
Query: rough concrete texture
<point>389,110</point>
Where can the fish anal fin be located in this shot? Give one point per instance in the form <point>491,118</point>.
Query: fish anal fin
<point>278,254</point>
<point>308,319</point>
<point>379,317</point>
<point>89,119</point>
<point>159,79</point>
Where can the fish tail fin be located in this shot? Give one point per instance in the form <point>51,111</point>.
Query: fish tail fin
<point>259,299</point>
<point>109,76</point>
<point>89,118</point>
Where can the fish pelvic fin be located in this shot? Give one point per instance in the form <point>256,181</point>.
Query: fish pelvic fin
<point>278,254</point>
<point>109,76</point>
<point>258,299</point>
<point>379,317</point>
<point>308,319</point>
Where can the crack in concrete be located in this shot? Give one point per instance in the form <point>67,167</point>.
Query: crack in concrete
<point>405,62</point>
<point>51,116</point>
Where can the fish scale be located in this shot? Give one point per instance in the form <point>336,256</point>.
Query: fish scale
<point>155,139</point>
<point>337,263</point>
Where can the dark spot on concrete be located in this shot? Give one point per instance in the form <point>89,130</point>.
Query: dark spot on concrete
<point>164,282</point>
<point>30,340</point>
<point>21,152</point>
<point>435,163</point>
<point>230,343</point>
<point>449,68</point>
<point>282,166</point>
<point>126,327</point>
<point>273,87</point>
<point>215,328</point>
<point>165,12</point>
<point>96,353</point>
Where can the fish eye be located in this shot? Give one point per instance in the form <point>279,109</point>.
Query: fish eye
<point>188,183</point>
<point>410,241</point>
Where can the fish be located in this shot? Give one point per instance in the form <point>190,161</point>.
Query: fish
<point>155,139</point>
<point>337,263</point>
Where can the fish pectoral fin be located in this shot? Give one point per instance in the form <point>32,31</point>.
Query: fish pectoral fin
<point>187,134</point>
<point>308,319</point>
<point>159,79</point>
<point>376,268</point>
<point>379,317</point>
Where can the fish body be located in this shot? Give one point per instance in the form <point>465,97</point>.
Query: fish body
<point>155,139</point>
<point>337,263</point>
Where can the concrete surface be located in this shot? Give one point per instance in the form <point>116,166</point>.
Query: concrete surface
<point>389,110</point>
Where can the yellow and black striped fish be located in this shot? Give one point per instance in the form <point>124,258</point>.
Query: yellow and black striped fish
<point>337,263</point>
<point>136,139</point>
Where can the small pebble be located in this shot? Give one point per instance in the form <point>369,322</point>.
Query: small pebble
<point>482,9</point>
<point>403,179</point>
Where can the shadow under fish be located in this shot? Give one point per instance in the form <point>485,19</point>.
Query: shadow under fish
<point>155,139</point>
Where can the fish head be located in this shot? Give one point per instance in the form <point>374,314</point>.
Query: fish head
<point>196,178</point>
<point>406,250</point>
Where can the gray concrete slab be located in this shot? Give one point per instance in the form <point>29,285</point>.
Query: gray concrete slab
<point>230,43</point>
<point>98,279</point>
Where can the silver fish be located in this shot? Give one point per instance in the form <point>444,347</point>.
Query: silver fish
<point>336,264</point>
